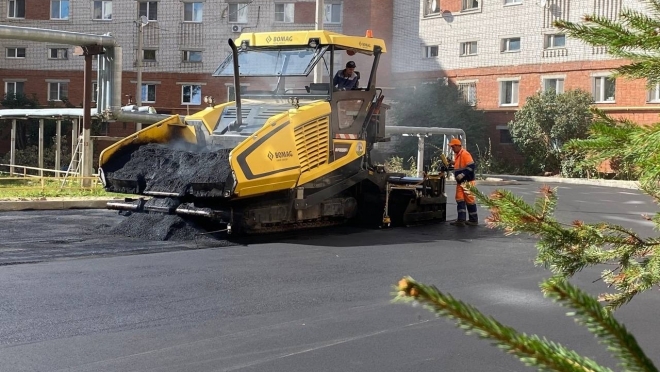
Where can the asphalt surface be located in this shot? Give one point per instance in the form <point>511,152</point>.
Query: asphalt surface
<point>75,299</point>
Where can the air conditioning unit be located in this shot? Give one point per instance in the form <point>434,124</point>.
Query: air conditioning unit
<point>236,28</point>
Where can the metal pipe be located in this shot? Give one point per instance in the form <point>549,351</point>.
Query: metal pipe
<point>420,155</point>
<point>389,129</point>
<point>237,84</point>
<point>55,36</point>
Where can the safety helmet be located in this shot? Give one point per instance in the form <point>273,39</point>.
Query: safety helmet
<point>455,142</point>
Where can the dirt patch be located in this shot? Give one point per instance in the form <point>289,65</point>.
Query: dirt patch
<point>166,168</point>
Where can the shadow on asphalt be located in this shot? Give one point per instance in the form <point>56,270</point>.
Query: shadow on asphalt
<point>350,236</point>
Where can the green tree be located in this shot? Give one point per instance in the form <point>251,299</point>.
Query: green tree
<point>437,105</point>
<point>567,248</point>
<point>545,123</point>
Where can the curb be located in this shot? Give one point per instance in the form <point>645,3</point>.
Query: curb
<point>6,206</point>
<point>576,181</point>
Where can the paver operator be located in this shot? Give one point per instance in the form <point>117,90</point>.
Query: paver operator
<point>464,169</point>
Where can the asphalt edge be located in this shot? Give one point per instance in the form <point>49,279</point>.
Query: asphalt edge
<point>489,180</point>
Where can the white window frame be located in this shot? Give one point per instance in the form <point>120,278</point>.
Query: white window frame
<point>196,11</point>
<point>328,11</point>
<point>515,91</point>
<point>431,7</point>
<point>192,95</point>
<point>599,96</point>
<point>230,90</point>
<point>238,13</point>
<point>287,9</point>
<point>559,83</point>
<point>147,11</point>
<point>469,48</point>
<point>431,51</point>
<point>106,10</point>
<point>60,15</point>
<point>14,7</point>
<point>653,95</point>
<point>467,5</point>
<point>15,85</point>
<point>468,90</point>
<point>15,54</point>
<point>512,2</point>
<point>187,54</point>
<point>146,87</point>
<point>551,41</point>
<point>62,87</point>
<point>505,46</point>
<point>58,53</point>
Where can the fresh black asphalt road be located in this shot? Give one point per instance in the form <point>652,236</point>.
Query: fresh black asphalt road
<point>74,299</point>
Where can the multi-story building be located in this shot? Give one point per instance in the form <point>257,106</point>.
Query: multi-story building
<point>183,42</point>
<point>498,52</point>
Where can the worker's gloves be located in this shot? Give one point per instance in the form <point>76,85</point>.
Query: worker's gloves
<point>460,177</point>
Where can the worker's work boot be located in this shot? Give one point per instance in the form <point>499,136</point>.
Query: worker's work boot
<point>472,223</point>
<point>458,223</point>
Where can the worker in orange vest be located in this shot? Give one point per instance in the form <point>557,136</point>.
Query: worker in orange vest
<point>464,169</point>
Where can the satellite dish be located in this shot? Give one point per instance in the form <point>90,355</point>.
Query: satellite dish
<point>144,20</point>
<point>543,3</point>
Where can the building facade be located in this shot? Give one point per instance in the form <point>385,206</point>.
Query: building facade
<point>182,43</point>
<point>498,52</point>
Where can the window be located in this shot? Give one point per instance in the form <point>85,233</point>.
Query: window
<point>509,93</point>
<point>149,9</point>
<point>510,2</point>
<point>59,9</point>
<point>555,41</point>
<point>95,91</point>
<point>332,13</point>
<point>58,91</point>
<point>58,53</point>
<point>469,48</point>
<point>238,13</point>
<point>470,4</point>
<point>14,87</point>
<point>431,51</point>
<point>231,92</point>
<point>505,135</point>
<point>191,94</point>
<point>603,89</point>
<point>553,84</point>
<point>284,12</point>
<point>654,94</point>
<point>511,44</point>
<point>16,9</point>
<point>149,55</point>
<point>192,56</point>
<point>149,93</point>
<point>192,12</point>
<point>469,92</point>
<point>431,7</point>
<point>102,10</point>
<point>15,53</point>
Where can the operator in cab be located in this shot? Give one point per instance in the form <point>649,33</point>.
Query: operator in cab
<point>346,79</point>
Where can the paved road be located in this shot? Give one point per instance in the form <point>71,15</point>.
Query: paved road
<point>74,299</point>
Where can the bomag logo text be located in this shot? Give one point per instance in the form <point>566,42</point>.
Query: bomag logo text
<point>365,45</point>
<point>283,154</point>
<point>281,39</point>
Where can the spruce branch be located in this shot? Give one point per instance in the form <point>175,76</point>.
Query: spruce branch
<point>601,323</point>
<point>531,350</point>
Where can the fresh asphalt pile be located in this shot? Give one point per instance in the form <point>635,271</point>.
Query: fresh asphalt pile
<point>170,168</point>
<point>164,227</point>
<point>158,167</point>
